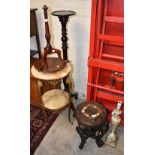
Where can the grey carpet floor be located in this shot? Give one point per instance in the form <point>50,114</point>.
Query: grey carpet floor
<point>62,139</point>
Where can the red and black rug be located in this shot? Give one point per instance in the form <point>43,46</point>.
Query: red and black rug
<point>38,126</point>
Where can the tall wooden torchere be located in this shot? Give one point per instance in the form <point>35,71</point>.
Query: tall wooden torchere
<point>63,16</point>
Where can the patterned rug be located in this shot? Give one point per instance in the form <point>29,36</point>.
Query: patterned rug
<point>38,126</point>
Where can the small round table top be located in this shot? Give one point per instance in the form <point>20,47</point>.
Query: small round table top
<point>52,76</point>
<point>63,13</point>
<point>91,114</point>
<point>54,64</point>
<point>55,99</point>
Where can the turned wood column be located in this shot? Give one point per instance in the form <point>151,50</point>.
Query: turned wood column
<point>63,16</point>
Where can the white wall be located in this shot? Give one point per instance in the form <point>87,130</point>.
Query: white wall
<point>78,34</point>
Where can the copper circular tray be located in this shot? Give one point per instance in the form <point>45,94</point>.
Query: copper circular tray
<point>54,65</point>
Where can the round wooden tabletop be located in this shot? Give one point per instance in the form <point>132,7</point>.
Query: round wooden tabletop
<point>53,65</point>
<point>91,114</point>
<point>55,99</point>
<point>63,13</point>
<point>52,76</point>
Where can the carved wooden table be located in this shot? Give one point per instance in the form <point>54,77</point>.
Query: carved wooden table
<point>92,122</point>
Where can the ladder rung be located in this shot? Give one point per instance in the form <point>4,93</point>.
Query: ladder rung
<point>104,64</point>
<point>112,56</point>
<point>106,88</point>
<point>114,43</point>
<point>114,19</point>
<point>111,38</point>
<point>107,96</point>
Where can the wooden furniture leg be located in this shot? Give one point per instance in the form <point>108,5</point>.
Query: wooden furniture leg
<point>70,86</point>
<point>38,45</point>
<point>39,85</point>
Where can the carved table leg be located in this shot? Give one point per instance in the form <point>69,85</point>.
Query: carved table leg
<point>95,133</point>
<point>39,89</point>
<point>65,84</point>
<point>72,106</point>
<point>98,138</point>
<point>69,112</point>
<point>82,135</point>
<point>70,85</point>
<point>101,133</point>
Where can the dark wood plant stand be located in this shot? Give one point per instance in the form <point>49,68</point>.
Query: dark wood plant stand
<point>63,16</point>
<point>92,122</point>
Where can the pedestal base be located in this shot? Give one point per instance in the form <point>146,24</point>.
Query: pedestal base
<point>110,144</point>
<point>95,133</point>
<point>111,140</point>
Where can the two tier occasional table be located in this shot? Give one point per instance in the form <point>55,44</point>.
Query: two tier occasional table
<point>56,99</point>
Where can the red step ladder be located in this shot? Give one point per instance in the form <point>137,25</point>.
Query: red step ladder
<point>106,55</point>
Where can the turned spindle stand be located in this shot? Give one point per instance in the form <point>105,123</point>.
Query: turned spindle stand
<point>63,16</point>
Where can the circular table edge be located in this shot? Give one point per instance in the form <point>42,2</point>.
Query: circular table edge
<point>71,14</point>
<point>68,64</point>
